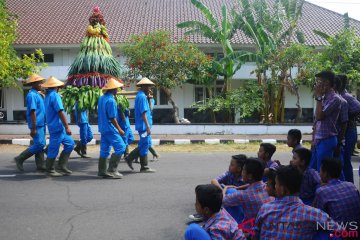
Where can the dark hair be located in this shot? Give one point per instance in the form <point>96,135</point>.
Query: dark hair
<point>290,177</point>
<point>304,154</point>
<point>271,176</point>
<point>255,167</point>
<point>332,166</point>
<point>240,159</point>
<point>295,133</point>
<point>343,81</point>
<point>327,76</point>
<point>268,148</point>
<point>210,196</point>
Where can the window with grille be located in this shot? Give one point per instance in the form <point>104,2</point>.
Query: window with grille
<point>2,99</point>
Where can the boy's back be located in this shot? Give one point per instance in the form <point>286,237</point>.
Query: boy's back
<point>227,178</point>
<point>222,226</point>
<point>250,199</point>
<point>311,181</point>
<point>341,200</point>
<point>288,218</point>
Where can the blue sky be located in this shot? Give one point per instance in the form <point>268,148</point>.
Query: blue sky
<point>341,6</point>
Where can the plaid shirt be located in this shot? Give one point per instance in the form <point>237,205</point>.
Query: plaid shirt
<point>229,179</point>
<point>222,226</point>
<point>272,165</point>
<point>311,181</point>
<point>341,200</point>
<point>249,199</point>
<point>326,127</point>
<point>289,218</point>
<point>354,108</point>
<point>344,113</point>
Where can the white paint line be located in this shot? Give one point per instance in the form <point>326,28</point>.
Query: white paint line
<point>182,141</point>
<point>7,176</point>
<point>273,141</point>
<point>92,142</point>
<point>212,141</point>
<point>241,141</point>
<point>21,141</point>
<point>155,142</point>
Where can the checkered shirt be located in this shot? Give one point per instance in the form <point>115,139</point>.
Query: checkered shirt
<point>326,127</point>
<point>354,108</point>
<point>229,179</point>
<point>341,200</point>
<point>249,199</point>
<point>272,165</point>
<point>222,226</point>
<point>288,218</point>
<point>344,113</point>
<point>311,181</point>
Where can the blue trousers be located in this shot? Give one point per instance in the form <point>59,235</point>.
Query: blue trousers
<point>144,144</point>
<point>236,212</point>
<point>109,140</point>
<point>350,141</point>
<point>323,149</point>
<point>128,137</point>
<point>195,232</point>
<point>86,134</point>
<point>60,138</point>
<point>39,141</point>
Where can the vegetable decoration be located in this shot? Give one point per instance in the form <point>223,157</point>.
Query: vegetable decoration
<point>92,67</point>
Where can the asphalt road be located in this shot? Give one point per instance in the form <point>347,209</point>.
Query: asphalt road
<point>82,206</point>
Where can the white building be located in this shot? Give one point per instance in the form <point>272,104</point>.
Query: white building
<point>58,27</point>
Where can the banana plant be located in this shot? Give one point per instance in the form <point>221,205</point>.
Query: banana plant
<point>220,32</point>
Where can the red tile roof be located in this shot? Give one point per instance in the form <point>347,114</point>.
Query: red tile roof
<point>65,21</point>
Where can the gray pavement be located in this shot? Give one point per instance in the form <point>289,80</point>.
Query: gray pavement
<point>82,206</point>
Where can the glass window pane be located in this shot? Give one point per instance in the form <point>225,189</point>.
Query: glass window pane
<point>199,94</point>
<point>2,98</point>
<point>155,96</point>
<point>163,98</point>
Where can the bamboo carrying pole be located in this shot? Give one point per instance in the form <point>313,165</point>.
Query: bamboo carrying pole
<point>127,93</point>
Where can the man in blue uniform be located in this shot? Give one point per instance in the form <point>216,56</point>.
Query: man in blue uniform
<point>110,131</point>
<point>35,115</point>
<point>86,134</point>
<point>143,125</point>
<point>58,128</point>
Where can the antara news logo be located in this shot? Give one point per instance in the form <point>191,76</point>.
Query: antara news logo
<point>340,230</point>
<point>337,230</point>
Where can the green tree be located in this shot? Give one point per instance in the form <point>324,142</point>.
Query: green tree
<point>342,54</point>
<point>220,32</point>
<point>13,67</point>
<point>273,32</point>
<point>168,64</point>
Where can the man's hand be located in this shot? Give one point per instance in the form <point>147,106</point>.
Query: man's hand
<point>33,132</point>
<point>148,130</point>
<point>68,131</point>
<point>122,133</point>
<point>242,187</point>
<point>319,89</point>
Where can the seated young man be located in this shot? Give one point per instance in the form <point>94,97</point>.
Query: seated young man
<point>341,200</point>
<point>294,138</point>
<point>311,178</point>
<point>250,199</point>
<point>218,222</point>
<point>265,153</point>
<point>231,178</point>
<point>287,217</point>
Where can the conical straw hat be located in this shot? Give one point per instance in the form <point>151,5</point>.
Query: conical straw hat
<point>34,78</point>
<point>52,82</point>
<point>112,83</point>
<point>145,81</point>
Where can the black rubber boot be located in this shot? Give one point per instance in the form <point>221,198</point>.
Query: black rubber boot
<point>83,150</point>
<point>19,160</point>
<point>62,164</point>
<point>40,162</point>
<point>77,149</point>
<point>156,156</point>
<point>102,169</point>
<point>133,155</point>
<point>113,164</point>
<point>50,170</point>
<point>144,165</point>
